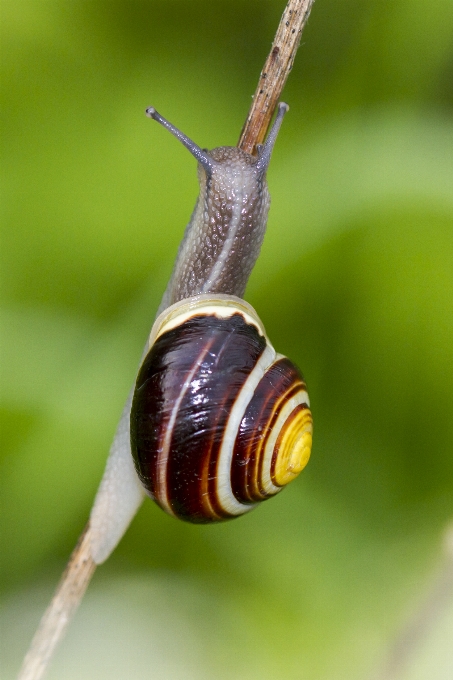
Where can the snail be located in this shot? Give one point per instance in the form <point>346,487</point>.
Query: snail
<point>219,421</point>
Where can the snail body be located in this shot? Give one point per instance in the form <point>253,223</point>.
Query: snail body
<point>223,238</point>
<point>219,421</point>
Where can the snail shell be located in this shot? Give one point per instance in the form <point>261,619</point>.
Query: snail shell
<point>219,420</point>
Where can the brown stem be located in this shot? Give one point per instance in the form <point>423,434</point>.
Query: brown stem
<point>61,609</point>
<point>275,73</point>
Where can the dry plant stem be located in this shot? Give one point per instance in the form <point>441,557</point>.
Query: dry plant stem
<point>424,620</point>
<point>275,73</point>
<point>60,611</point>
<point>81,566</point>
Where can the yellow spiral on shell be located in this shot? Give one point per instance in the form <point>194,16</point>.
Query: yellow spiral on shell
<point>293,447</point>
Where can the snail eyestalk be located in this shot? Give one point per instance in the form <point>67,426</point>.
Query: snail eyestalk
<point>200,154</point>
<point>265,150</point>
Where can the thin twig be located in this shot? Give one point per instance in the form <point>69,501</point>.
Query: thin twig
<point>81,566</point>
<point>275,73</point>
<point>60,611</point>
<point>420,626</point>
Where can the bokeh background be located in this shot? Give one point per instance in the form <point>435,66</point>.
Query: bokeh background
<point>355,283</point>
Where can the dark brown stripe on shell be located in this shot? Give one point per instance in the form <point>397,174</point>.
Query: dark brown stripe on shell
<point>227,351</point>
<point>280,382</point>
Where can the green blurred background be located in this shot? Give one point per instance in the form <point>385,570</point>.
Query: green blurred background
<point>355,283</point>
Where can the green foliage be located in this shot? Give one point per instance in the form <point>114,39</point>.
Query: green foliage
<point>355,282</point>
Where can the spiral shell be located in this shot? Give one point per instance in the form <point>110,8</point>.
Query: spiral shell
<point>219,420</point>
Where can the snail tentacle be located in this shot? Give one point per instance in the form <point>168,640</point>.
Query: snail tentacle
<point>202,155</point>
<point>265,150</point>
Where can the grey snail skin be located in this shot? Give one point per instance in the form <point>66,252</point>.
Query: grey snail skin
<point>224,236</point>
<point>217,420</point>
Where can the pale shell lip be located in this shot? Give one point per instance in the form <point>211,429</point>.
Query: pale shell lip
<point>219,305</point>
